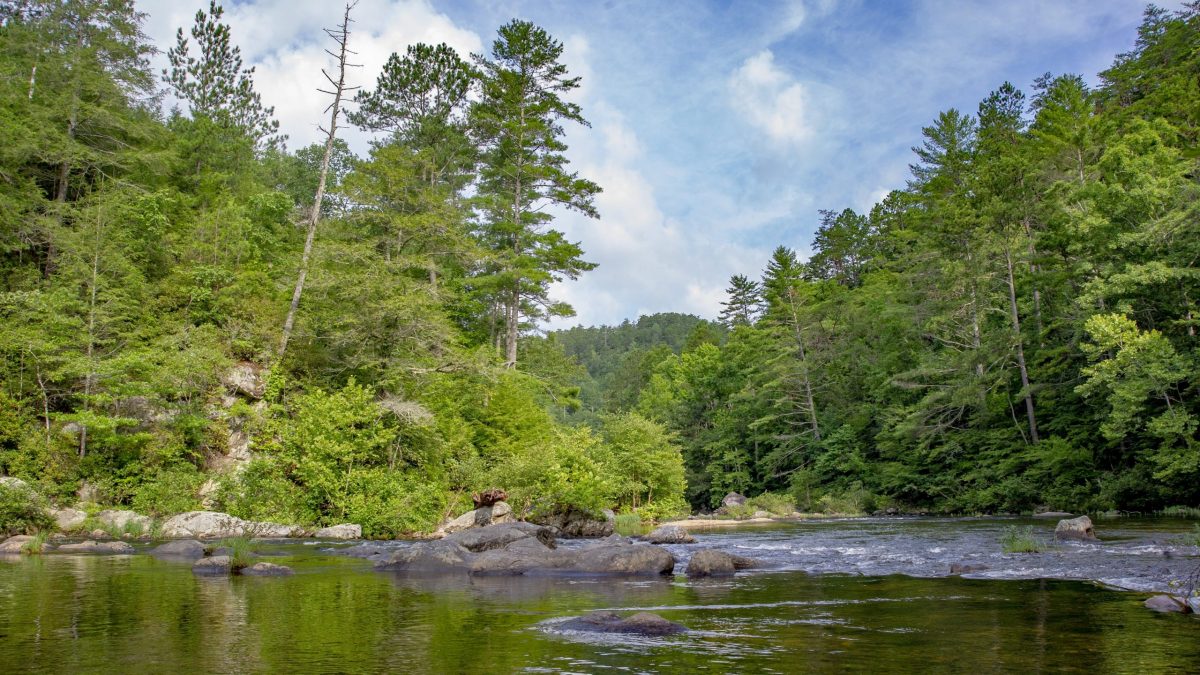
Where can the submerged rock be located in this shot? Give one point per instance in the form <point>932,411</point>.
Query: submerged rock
<point>1166,604</point>
<point>183,548</point>
<point>109,547</point>
<point>217,565</point>
<point>642,623</point>
<point>710,562</point>
<point>266,569</point>
<point>365,551</point>
<point>344,531</point>
<point>1075,528</point>
<point>966,568</point>
<point>669,534</point>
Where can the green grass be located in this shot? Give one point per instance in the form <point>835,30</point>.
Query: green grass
<point>1191,538</point>
<point>241,551</point>
<point>1181,512</point>
<point>773,503</point>
<point>630,525</point>
<point>1021,540</point>
<point>36,545</point>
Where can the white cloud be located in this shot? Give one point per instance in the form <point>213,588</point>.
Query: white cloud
<point>771,100</point>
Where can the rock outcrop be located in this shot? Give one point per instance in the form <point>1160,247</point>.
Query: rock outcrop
<point>711,563</point>
<point>212,524</point>
<point>642,623</point>
<point>669,534</point>
<point>733,499</point>
<point>344,531</point>
<point>496,514</point>
<point>1075,528</point>
<point>103,547</point>
<point>245,379</point>
<point>522,549</point>
<point>125,520</point>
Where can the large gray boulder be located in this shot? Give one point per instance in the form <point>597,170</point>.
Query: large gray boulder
<point>436,557</point>
<point>245,378</point>
<point>103,547</point>
<point>182,549</point>
<point>496,514</point>
<point>212,524</point>
<point>669,534</point>
<point>642,623</point>
<point>344,531</point>
<point>626,560</point>
<point>125,520</point>
<point>13,545</point>
<point>525,556</point>
<point>68,519</point>
<point>1075,528</point>
<point>710,563</point>
<point>733,499</point>
<point>480,539</point>
<point>367,551</point>
<point>576,524</point>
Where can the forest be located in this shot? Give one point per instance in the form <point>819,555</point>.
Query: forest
<point>194,315</point>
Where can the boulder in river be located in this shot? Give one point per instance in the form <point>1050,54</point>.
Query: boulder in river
<point>15,544</point>
<point>182,548</point>
<point>344,531</point>
<point>105,547</point>
<point>515,549</point>
<point>124,520</point>
<point>266,569</point>
<point>669,534</point>
<point>368,551</point>
<point>1075,528</point>
<point>1167,603</point>
<point>642,623</point>
<point>711,562</point>
<point>1053,514</point>
<point>966,568</point>
<point>494,514</point>
<point>579,524</point>
<point>217,565</point>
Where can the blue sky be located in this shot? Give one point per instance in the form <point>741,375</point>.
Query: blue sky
<point>719,129</point>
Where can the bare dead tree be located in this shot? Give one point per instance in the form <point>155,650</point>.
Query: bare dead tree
<point>340,36</point>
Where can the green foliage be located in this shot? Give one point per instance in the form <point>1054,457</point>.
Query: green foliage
<point>1180,512</point>
<point>170,491</point>
<point>630,525</point>
<point>22,511</point>
<point>1018,540</point>
<point>1191,538</point>
<point>241,551</point>
<point>37,545</point>
<point>773,503</point>
<point>261,492</point>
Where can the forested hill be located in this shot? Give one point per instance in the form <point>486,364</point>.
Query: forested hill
<point>1015,327</point>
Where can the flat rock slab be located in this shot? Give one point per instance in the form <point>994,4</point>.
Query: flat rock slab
<point>642,623</point>
<point>344,531</point>
<point>15,543</point>
<point>669,534</point>
<point>103,547</point>
<point>266,569</point>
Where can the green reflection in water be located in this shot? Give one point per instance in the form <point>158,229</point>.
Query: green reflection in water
<point>138,614</point>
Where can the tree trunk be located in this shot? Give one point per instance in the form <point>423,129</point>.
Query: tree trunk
<point>1016,326</point>
<point>341,36</point>
<point>808,394</point>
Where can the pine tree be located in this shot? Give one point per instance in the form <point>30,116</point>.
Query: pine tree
<point>743,303</point>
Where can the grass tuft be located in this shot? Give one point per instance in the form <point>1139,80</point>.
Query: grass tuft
<point>1181,512</point>
<point>241,551</point>
<point>1021,540</point>
<point>630,525</point>
<point>36,545</point>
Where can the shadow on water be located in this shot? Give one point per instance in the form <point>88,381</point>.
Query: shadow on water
<point>78,613</point>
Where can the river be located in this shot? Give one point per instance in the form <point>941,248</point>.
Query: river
<point>854,594</point>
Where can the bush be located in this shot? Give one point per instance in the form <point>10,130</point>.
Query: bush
<point>1020,540</point>
<point>241,552</point>
<point>22,511</point>
<point>773,503</point>
<point>262,492</point>
<point>36,545</point>
<point>390,503</point>
<point>170,491</point>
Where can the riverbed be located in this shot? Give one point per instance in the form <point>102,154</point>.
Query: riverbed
<point>850,594</point>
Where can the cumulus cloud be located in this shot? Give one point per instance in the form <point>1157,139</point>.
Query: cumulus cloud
<point>771,100</point>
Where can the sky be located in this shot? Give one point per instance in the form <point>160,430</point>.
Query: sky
<point>718,129</point>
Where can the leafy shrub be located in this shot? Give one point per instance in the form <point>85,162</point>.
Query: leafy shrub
<point>170,491</point>
<point>22,511</point>
<point>390,503</point>
<point>643,461</point>
<point>1180,512</point>
<point>241,551</point>
<point>262,492</point>
<point>1020,540</point>
<point>853,502</point>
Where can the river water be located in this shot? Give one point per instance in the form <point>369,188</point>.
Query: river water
<point>859,594</point>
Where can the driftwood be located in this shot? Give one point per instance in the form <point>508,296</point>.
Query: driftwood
<point>488,497</point>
